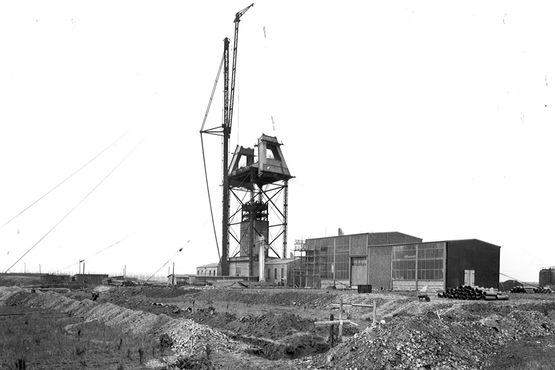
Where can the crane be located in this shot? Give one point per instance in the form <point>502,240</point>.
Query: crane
<point>238,16</point>
<point>225,132</point>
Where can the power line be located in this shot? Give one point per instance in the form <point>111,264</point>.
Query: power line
<point>101,250</point>
<point>518,280</point>
<point>76,205</point>
<point>209,196</point>
<point>165,263</point>
<point>66,179</point>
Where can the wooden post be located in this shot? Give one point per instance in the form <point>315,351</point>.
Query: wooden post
<point>340,333</point>
<point>416,268</point>
<point>334,262</point>
<point>374,312</point>
<point>331,331</point>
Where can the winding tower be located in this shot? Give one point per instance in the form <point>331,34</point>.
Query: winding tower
<point>258,182</point>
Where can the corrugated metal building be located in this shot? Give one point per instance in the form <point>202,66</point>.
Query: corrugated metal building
<point>547,277</point>
<point>396,261</point>
<point>333,260</point>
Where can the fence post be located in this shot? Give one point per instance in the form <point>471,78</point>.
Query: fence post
<point>331,330</point>
<point>374,312</point>
<point>340,333</point>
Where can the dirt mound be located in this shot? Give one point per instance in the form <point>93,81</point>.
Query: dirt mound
<point>458,339</point>
<point>278,297</point>
<point>162,292</point>
<point>187,335</point>
<point>270,325</point>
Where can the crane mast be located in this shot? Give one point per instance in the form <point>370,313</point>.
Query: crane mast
<point>229,98</point>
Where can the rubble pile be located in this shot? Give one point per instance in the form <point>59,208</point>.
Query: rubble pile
<point>450,338</point>
<point>270,325</point>
<point>466,292</point>
<point>189,337</point>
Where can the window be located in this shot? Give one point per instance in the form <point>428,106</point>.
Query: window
<point>275,273</point>
<point>428,258</point>
<point>272,153</point>
<point>282,272</point>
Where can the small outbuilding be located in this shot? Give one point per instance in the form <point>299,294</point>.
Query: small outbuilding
<point>208,270</point>
<point>278,270</point>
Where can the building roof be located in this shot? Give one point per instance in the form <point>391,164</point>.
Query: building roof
<point>450,241</point>
<point>181,275</point>
<point>378,238</point>
<point>210,265</point>
<point>471,240</point>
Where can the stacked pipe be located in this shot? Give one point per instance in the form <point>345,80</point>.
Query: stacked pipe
<point>472,293</point>
<point>521,289</point>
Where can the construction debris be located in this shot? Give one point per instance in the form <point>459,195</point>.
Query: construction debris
<point>521,289</point>
<point>444,339</point>
<point>466,292</point>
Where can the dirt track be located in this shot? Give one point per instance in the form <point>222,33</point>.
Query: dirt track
<point>274,328</point>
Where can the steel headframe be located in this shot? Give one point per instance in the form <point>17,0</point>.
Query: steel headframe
<point>277,216</point>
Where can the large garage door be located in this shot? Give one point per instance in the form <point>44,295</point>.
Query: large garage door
<point>359,271</point>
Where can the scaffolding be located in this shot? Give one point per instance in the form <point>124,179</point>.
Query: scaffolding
<point>307,271</point>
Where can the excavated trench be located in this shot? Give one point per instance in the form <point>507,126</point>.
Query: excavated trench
<point>271,336</point>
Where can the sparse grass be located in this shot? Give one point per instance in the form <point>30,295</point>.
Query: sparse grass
<point>530,354</point>
<point>49,340</point>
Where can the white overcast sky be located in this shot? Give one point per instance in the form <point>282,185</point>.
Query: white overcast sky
<point>430,118</point>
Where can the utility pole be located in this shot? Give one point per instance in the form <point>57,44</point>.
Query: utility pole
<point>173,274</point>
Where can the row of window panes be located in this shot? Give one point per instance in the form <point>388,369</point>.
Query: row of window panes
<point>425,251</point>
<point>430,274</point>
<point>359,261</point>
<point>423,274</point>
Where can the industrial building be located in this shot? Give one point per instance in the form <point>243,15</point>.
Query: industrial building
<point>279,270</point>
<point>208,270</point>
<point>547,277</point>
<point>396,261</point>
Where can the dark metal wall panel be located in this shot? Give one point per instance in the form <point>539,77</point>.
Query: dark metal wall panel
<point>475,255</point>
<point>379,267</point>
<point>547,277</point>
<point>359,244</point>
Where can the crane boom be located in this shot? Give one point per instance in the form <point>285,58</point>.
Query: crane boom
<point>238,16</point>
